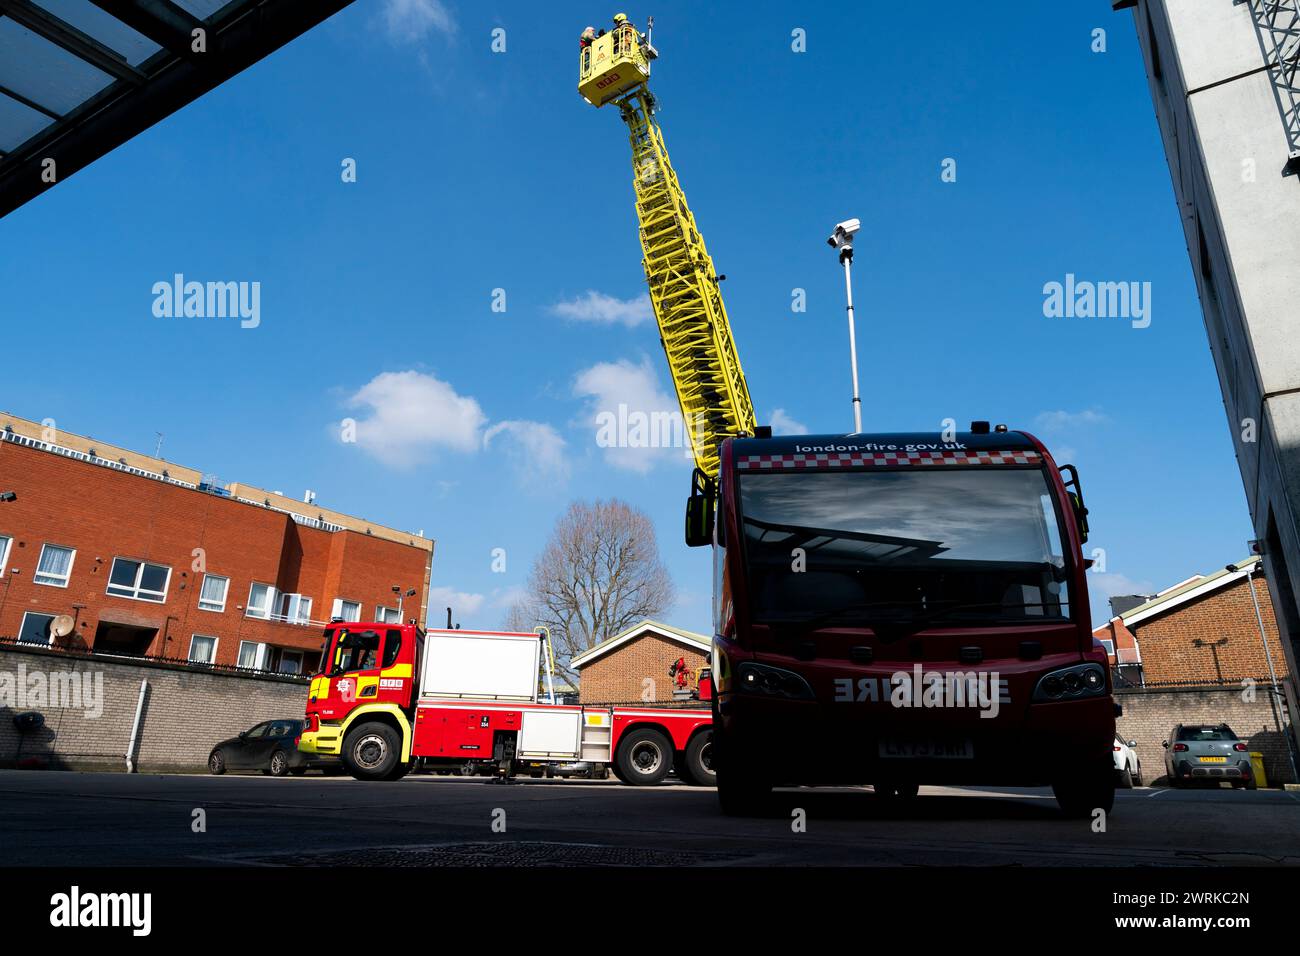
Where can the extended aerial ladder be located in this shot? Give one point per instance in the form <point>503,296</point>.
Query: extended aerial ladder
<point>614,67</point>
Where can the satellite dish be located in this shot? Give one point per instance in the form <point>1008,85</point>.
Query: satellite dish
<point>62,625</point>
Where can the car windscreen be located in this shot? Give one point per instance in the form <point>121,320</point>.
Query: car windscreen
<point>1192,734</point>
<point>972,545</point>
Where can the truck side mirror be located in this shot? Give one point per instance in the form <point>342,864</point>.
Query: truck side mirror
<point>699,511</point>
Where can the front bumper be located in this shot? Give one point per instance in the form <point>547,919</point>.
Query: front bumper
<point>805,742</point>
<point>324,741</point>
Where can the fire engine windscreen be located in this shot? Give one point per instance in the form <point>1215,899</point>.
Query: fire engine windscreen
<point>956,546</point>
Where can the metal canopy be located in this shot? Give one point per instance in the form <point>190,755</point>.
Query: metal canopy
<point>80,77</point>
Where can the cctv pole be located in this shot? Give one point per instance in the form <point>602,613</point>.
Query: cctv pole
<point>1272,674</point>
<point>846,260</point>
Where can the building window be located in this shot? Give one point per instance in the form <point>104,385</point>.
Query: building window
<point>346,610</point>
<point>5,542</point>
<point>261,598</point>
<point>1109,645</point>
<point>251,655</point>
<point>212,593</point>
<point>387,615</point>
<point>139,580</point>
<point>55,566</point>
<point>35,628</point>
<point>203,649</point>
<point>290,662</point>
<point>296,609</point>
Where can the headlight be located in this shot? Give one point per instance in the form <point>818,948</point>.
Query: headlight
<point>1071,683</point>
<point>771,682</point>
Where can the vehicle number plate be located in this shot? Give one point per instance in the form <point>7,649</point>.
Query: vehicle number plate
<point>1214,760</point>
<point>927,749</point>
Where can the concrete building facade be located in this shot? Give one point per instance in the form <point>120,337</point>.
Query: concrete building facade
<point>114,552</point>
<point>1226,93</point>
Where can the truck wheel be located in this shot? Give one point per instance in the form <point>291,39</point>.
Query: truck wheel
<point>372,751</point>
<point>644,757</point>
<point>698,764</point>
<point>1079,795</point>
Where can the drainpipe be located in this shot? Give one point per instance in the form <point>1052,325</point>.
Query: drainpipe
<point>135,728</point>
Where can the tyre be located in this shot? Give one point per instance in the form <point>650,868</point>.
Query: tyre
<point>1137,775</point>
<point>1079,795</point>
<point>279,765</point>
<point>400,771</point>
<point>216,763</point>
<point>372,751</point>
<point>697,763</point>
<point>1250,782</point>
<point>644,756</point>
<point>1125,777</point>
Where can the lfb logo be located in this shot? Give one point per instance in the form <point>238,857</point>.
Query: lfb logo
<point>348,690</point>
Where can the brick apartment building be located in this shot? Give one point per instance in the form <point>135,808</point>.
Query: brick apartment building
<point>121,553</point>
<point>1201,629</point>
<point>614,671</point>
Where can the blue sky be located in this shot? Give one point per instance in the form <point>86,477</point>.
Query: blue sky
<point>479,171</point>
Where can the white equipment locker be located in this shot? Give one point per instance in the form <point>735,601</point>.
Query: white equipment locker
<point>550,733</point>
<point>480,666</point>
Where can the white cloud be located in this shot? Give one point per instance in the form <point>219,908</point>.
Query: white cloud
<point>412,414</point>
<point>622,395</point>
<point>1061,420</point>
<point>1110,583</point>
<point>410,21</point>
<point>464,605</point>
<point>783,424</point>
<point>605,309</point>
<point>537,450</point>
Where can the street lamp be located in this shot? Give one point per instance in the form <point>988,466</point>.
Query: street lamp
<point>1268,655</point>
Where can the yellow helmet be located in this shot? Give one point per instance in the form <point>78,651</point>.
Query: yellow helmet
<point>620,18</point>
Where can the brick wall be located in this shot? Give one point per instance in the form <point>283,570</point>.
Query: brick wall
<point>185,713</point>
<point>1215,637</point>
<point>1149,716</point>
<point>103,514</point>
<point>619,675</point>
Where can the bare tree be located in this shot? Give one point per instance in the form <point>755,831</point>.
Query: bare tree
<point>599,573</point>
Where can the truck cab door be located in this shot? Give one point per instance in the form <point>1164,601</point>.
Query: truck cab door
<point>352,672</point>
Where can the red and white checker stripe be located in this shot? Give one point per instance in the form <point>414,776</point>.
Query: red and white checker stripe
<point>861,459</point>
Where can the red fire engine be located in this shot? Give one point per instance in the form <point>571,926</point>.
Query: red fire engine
<point>390,695</point>
<point>902,609</point>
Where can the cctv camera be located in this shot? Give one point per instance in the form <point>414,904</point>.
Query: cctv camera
<point>844,232</point>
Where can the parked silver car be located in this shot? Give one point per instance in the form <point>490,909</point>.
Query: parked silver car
<point>1207,753</point>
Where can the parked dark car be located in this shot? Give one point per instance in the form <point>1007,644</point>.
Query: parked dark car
<point>270,747</point>
<point>1207,753</point>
